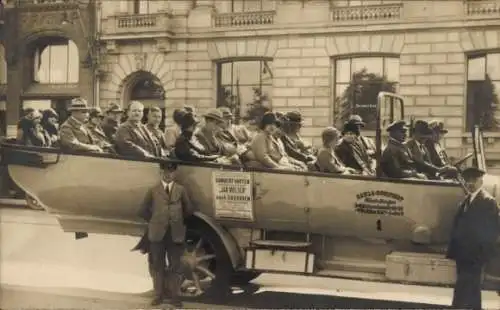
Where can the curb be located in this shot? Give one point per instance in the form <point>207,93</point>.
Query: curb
<point>10,202</point>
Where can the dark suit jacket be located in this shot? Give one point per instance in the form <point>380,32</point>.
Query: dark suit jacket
<point>166,212</point>
<point>136,141</point>
<point>228,141</point>
<point>75,136</point>
<point>110,127</point>
<point>422,158</point>
<point>397,161</point>
<point>438,158</point>
<point>353,155</point>
<point>293,149</point>
<point>189,149</point>
<point>475,230</point>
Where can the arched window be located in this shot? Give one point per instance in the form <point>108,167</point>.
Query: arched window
<point>150,92</point>
<point>55,61</point>
<point>358,80</point>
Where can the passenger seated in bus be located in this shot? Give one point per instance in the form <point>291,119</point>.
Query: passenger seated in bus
<point>437,153</point>
<point>73,133</point>
<point>295,147</point>
<point>94,126</point>
<point>187,148</point>
<point>352,153</point>
<point>31,132</point>
<point>227,136</point>
<point>207,136</point>
<point>422,133</point>
<point>50,123</point>
<point>22,123</point>
<point>132,137</point>
<point>173,131</point>
<point>367,143</point>
<point>327,159</point>
<point>268,149</point>
<point>153,126</point>
<point>112,121</point>
<point>397,161</point>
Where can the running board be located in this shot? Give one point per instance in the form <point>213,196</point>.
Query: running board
<point>353,265</point>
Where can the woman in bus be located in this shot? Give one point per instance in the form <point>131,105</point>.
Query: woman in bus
<point>31,132</point>
<point>327,159</point>
<point>50,123</point>
<point>268,150</point>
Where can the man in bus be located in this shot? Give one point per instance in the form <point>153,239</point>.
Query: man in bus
<point>472,240</point>
<point>74,133</point>
<point>132,137</point>
<point>155,117</point>
<point>112,121</point>
<point>397,161</point>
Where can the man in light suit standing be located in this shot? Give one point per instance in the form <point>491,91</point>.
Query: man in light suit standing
<point>165,207</point>
<point>473,240</point>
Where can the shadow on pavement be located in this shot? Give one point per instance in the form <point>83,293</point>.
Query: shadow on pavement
<point>253,299</point>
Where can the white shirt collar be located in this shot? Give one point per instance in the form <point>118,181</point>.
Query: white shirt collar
<point>165,184</point>
<point>473,195</point>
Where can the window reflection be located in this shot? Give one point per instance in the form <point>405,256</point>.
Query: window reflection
<point>239,6</point>
<point>242,84</point>
<point>483,82</point>
<point>358,80</point>
<point>56,63</point>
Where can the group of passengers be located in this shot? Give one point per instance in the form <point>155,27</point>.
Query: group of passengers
<point>273,141</point>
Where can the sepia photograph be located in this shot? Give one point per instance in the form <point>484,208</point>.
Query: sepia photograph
<point>249,154</point>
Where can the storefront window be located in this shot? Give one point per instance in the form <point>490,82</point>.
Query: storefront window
<point>56,61</point>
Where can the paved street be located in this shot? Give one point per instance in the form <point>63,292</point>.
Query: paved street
<point>43,267</point>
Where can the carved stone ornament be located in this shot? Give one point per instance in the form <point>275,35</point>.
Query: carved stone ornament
<point>163,45</point>
<point>140,61</point>
<point>111,46</point>
<point>41,20</point>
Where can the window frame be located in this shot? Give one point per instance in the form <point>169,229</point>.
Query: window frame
<point>218,73</point>
<point>45,45</point>
<point>350,57</point>
<point>471,56</point>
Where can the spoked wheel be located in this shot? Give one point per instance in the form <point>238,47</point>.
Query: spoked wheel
<point>207,267</point>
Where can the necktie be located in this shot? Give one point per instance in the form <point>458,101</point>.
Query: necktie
<point>467,202</point>
<point>167,189</point>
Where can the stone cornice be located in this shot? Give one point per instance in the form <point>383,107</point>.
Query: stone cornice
<point>318,29</point>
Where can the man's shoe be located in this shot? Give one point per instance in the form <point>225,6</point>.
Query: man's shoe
<point>157,301</point>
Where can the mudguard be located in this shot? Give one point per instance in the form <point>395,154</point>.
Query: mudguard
<point>226,238</point>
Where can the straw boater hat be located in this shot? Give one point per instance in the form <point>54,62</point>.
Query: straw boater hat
<point>78,104</point>
<point>95,112</point>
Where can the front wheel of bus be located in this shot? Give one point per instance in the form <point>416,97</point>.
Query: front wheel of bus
<point>208,268</point>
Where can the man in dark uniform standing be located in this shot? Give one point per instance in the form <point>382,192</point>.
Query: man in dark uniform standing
<point>473,239</point>
<point>165,207</point>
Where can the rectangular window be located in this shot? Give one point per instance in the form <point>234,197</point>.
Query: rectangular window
<point>358,80</point>
<point>242,85</point>
<point>56,63</point>
<point>240,6</point>
<point>483,84</point>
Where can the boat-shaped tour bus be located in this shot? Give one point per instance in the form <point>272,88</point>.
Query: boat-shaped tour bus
<point>250,221</point>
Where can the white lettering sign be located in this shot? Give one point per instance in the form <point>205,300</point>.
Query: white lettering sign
<point>233,195</point>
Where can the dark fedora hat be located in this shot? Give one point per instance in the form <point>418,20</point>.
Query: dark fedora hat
<point>294,117</point>
<point>472,173</point>
<point>422,128</point>
<point>357,120</point>
<point>188,120</point>
<point>397,126</point>
<point>437,126</point>
<point>350,127</point>
<point>269,118</point>
<point>114,108</point>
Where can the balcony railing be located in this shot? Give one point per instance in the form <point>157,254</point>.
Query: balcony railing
<point>482,8</point>
<point>138,23</point>
<point>382,12</point>
<point>244,19</point>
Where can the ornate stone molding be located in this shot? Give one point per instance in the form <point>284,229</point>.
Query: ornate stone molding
<point>163,45</point>
<point>140,60</point>
<point>111,46</point>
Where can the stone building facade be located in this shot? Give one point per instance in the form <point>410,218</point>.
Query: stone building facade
<point>320,57</point>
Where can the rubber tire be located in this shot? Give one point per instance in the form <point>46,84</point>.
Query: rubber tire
<point>244,277</point>
<point>223,266</point>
